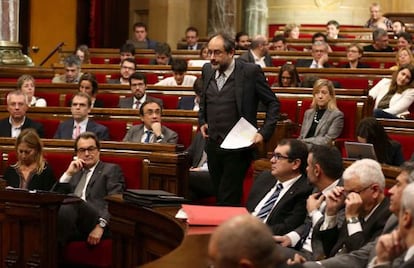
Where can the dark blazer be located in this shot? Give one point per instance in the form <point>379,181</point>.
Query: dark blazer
<point>5,127</point>
<point>43,181</point>
<point>135,133</point>
<point>107,179</point>
<point>408,264</point>
<point>336,239</point>
<point>65,130</point>
<point>359,65</point>
<point>248,57</point>
<point>395,156</point>
<point>251,86</point>
<point>185,46</point>
<point>196,148</point>
<point>290,211</point>
<point>186,103</point>
<point>308,63</point>
<point>128,102</point>
<point>371,48</point>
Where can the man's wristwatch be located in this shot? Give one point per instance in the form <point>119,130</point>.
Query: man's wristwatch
<point>352,220</point>
<point>102,222</point>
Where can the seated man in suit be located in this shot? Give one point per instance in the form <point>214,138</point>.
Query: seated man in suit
<point>72,65</point>
<point>258,52</point>
<point>127,68</point>
<point>79,123</point>
<point>192,102</point>
<point>366,208</point>
<point>242,241</point>
<point>191,38</point>
<point>91,180</point>
<point>324,171</point>
<point>151,131</point>
<point>319,54</point>
<point>138,85</point>
<point>278,197</point>
<point>141,39</point>
<point>17,105</point>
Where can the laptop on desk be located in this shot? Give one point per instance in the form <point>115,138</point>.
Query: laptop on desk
<point>357,150</point>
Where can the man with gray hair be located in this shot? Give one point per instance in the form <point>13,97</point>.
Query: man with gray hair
<point>17,105</point>
<point>258,52</point>
<point>380,42</point>
<point>319,54</point>
<point>72,66</point>
<point>243,241</point>
<point>366,208</point>
<point>367,255</point>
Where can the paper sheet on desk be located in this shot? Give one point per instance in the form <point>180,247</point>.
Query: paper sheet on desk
<point>240,136</point>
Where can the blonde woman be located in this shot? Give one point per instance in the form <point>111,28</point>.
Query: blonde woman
<point>26,83</point>
<point>323,122</point>
<point>404,56</point>
<point>31,170</point>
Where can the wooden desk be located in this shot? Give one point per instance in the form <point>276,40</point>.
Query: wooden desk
<point>154,237</point>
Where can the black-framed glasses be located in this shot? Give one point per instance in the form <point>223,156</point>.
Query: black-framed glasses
<point>90,149</point>
<point>278,156</point>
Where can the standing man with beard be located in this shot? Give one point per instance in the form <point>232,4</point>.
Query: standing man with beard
<point>231,90</point>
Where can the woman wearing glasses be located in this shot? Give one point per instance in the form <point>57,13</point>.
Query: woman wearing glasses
<point>288,76</point>
<point>31,171</point>
<point>323,122</point>
<point>354,54</point>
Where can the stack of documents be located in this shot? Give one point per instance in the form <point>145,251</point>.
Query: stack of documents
<point>153,198</point>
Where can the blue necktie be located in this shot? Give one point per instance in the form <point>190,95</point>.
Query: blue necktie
<point>147,138</point>
<point>267,207</point>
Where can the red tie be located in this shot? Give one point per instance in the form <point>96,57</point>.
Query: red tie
<point>76,131</point>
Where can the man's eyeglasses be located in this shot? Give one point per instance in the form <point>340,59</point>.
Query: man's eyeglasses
<point>90,149</point>
<point>151,112</point>
<point>357,192</point>
<point>278,156</point>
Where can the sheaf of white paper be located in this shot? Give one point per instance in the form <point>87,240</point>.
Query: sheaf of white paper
<point>240,136</point>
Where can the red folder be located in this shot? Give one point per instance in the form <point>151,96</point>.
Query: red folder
<point>211,215</point>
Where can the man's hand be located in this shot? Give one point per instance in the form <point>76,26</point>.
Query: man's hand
<point>156,128</point>
<point>334,200</point>
<point>353,204</point>
<point>75,166</point>
<point>314,202</point>
<point>95,235</point>
<point>324,59</point>
<point>296,259</point>
<point>388,247</point>
<point>258,138</point>
<point>283,240</point>
<point>204,129</point>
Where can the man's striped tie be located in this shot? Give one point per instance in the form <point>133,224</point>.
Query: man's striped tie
<point>267,207</point>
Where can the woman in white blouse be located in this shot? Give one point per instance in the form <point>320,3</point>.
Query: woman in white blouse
<point>26,83</point>
<point>394,96</point>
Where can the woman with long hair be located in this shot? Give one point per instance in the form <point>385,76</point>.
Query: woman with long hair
<point>323,122</point>
<point>394,96</point>
<point>288,76</point>
<point>31,171</point>
<point>388,151</point>
<point>89,85</point>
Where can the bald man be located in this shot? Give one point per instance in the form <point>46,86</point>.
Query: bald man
<point>243,241</point>
<point>258,52</point>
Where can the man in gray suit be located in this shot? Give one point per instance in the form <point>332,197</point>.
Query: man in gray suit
<point>79,123</point>
<point>91,180</point>
<point>258,52</point>
<point>361,257</point>
<point>151,131</point>
<point>138,84</point>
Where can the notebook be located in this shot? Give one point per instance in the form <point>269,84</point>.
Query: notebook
<point>357,150</point>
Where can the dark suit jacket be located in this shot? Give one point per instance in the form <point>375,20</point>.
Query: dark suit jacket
<point>196,148</point>
<point>290,211</point>
<point>408,264</point>
<point>135,133</point>
<point>371,48</point>
<point>128,102</point>
<point>65,130</point>
<point>185,46</point>
<point>5,127</point>
<point>308,63</point>
<point>248,57</point>
<point>251,86</point>
<point>107,179</point>
<point>186,103</point>
<point>359,65</point>
<point>335,239</point>
<point>43,181</point>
